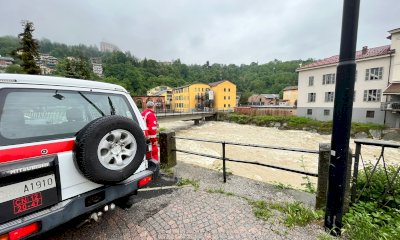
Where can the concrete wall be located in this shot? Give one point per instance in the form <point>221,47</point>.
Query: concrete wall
<point>359,114</point>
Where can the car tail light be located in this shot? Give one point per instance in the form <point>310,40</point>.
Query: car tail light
<point>4,237</point>
<point>144,181</point>
<point>22,232</point>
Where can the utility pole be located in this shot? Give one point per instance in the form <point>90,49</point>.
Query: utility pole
<point>342,113</point>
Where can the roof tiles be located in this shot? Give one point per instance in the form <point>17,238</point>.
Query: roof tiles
<point>371,52</point>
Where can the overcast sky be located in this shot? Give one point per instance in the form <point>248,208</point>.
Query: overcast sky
<point>220,31</point>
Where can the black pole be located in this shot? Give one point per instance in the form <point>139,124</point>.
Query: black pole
<point>342,113</point>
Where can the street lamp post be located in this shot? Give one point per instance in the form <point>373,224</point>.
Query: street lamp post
<point>342,113</point>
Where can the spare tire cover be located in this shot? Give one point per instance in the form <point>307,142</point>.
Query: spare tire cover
<point>110,149</point>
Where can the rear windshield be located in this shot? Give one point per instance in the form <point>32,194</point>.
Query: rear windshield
<point>29,115</point>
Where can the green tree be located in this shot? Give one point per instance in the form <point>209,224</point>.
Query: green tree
<point>14,68</point>
<point>28,50</point>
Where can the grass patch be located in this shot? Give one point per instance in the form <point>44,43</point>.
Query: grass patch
<point>168,171</point>
<point>308,185</point>
<point>186,181</point>
<point>282,186</point>
<point>220,191</point>
<point>297,123</point>
<point>296,214</point>
<point>162,129</point>
<point>260,209</point>
<point>375,216</point>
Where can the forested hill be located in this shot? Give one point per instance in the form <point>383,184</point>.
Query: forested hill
<point>138,75</point>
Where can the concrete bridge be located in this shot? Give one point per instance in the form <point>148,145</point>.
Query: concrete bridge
<point>186,116</point>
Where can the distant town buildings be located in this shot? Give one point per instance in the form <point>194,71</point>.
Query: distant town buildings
<point>6,61</point>
<point>97,66</point>
<point>263,100</point>
<point>377,87</point>
<point>164,91</point>
<point>219,95</point>
<point>108,47</point>
<point>47,63</point>
<point>290,94</point>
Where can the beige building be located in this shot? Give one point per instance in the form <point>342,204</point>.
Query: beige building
<point>290,95</point>
<point>263,100</point>
<point>377,68</point>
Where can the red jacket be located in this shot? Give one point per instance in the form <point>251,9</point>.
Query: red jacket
<point>151,122</point>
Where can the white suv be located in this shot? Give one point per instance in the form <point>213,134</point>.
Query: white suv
<point>67,147</point>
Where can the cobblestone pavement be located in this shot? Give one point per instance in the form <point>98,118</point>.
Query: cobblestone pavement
<point>185,213</point>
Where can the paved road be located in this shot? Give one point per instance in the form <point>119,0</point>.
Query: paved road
<point>184,213</point>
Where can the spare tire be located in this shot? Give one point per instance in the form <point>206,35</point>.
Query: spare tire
<point>110,149</point>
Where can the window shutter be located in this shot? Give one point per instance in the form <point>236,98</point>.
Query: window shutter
<point>378,95</point>
<point>380,74</point>
<point>365,95</point>
<point>323,79</point>
<point>333,78</point>
<point>366,75</point>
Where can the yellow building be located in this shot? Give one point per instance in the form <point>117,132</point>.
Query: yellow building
<point>290,95</point>
<point>224,95</point>
<point>189,97</point>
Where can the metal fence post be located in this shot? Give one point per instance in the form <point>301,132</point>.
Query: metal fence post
<point>167,149</point>
<point>355,173</point>
<point>223,161</point>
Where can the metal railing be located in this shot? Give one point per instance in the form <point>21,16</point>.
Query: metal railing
<point>387,182</point>
<point>390,106</point>
<point>224,158</point>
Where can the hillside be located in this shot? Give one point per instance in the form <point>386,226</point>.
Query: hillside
<point>138,75</point>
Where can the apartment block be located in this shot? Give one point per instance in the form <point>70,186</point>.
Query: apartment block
<point>377,78</point>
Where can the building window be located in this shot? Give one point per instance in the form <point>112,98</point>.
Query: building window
<point>224,97</point>
<point>229,97</point>
<point>311,81</point>
<point>224,89</point>
<point>311,97</point>
<point>372,95</point>
<point>309,111</point>
<point>328,78</point>
<point>202,89</point>
<point>326,112</point>
<point>374,74</point>
<point>329,96</point>
<point>370,114</point>
<point>229,105</point>
<point>224,105</point>
<point>229,89</point>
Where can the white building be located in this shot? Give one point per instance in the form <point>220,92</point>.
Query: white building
<point>377,68</point>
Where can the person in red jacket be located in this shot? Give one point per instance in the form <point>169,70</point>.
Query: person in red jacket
<point>151,121</point>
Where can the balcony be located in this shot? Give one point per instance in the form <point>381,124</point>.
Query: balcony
<point>390,106</point>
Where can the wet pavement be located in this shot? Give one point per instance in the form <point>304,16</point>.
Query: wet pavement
<point>187,213</point>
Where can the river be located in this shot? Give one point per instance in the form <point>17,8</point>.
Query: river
<point>232,132</point>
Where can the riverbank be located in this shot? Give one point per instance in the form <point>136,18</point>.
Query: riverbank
<point>358,130</point>
<point>233,132</point>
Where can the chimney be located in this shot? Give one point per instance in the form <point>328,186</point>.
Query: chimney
<point>364,50</point>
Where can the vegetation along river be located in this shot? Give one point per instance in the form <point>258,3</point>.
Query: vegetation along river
<point>248,134</point>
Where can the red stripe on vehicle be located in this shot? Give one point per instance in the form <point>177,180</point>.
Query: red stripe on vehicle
<point>19,153</point>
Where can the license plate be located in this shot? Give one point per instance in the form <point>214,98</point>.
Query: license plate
<point>18,190</point>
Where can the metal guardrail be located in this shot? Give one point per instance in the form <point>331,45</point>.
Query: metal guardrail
<point>224,158</point>
<point>390,182</point>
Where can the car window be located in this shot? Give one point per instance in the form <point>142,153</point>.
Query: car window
<point>30,115</point>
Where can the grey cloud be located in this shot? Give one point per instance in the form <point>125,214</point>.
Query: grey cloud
<point>223,31</point>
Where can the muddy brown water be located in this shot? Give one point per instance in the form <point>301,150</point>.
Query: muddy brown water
<point>247,134</point>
